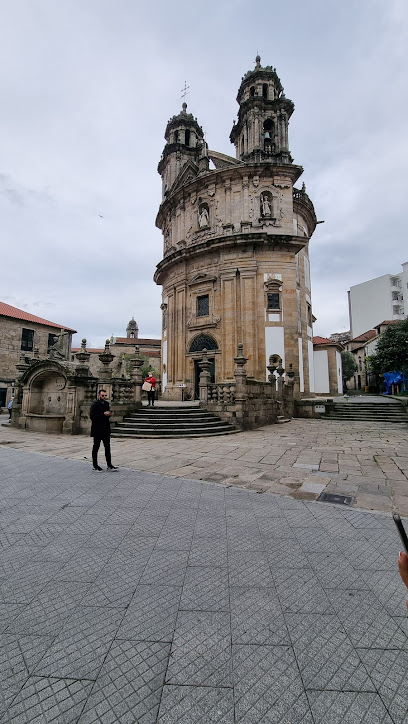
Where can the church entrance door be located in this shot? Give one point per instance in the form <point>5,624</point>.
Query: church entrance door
<point>197,370</point>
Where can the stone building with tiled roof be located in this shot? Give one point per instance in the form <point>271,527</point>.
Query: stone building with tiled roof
<point>26,335</point>
<point>123,349</point>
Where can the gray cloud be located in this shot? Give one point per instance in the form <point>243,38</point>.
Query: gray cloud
<point>86,94</point>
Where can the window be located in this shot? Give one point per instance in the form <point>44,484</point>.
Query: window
<point>203,341</point>
<point>52,338</point>
<point>273,301</point>
<point>164,318</point>
<point>27,340</point>
<point>187,137</point>
<point>309,315</point>
<point>203,306</point>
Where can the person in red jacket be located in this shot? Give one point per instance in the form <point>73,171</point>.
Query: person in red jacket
<point>150,395</point>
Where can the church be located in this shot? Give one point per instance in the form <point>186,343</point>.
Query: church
<point>236,229</point>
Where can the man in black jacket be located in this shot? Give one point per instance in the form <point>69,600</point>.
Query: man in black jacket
<point>100,431</point>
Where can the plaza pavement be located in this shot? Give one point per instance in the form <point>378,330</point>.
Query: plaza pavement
<point>302,458</point>
<point>141,597</point>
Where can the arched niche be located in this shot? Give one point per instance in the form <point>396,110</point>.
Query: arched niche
<point>47,393</point>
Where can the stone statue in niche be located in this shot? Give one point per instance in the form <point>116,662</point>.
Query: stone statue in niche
<point>203,216</point>
<point>266,204</point>
<point>59,350</point>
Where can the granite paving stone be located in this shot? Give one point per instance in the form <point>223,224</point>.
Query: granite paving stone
<point>201,649</point>
<point>129,685</point>
<point>48,700</point>
<point>145,597</point>
<point>152,613</point>
<point>198,704</point>
<point>340,707</point>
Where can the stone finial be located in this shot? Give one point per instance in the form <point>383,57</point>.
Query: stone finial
<point>304,187</point>
<point>240,360</point>
<point>258,61</point>
<point>83,345</point>
<point>184,107</point>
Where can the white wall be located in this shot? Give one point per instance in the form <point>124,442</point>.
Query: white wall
<point>301,371</point>
<point>311,366</point>
<point>339,373</point>
<point>274,344</point>
<point>321,371</point>
<point>404,290</point>
<point>371,303</point>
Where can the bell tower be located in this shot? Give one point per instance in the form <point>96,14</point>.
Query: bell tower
<point>184,143</point>
<point>261,133</point>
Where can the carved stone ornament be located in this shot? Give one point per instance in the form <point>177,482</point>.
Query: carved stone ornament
<point>193,198</point>
<point>60,383</point>
<point>255,181</point>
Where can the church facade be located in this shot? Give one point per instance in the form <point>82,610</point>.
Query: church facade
<point>236,231</point>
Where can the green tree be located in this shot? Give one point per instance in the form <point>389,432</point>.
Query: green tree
<point>349,365</point>
<point>391,352</point>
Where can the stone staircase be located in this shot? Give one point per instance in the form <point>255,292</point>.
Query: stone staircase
<point>160,422</point>
<point>381,411</point>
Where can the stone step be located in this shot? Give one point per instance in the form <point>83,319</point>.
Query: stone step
<point>162,425</point>
<point>172,422</point>
<point>168,435</point>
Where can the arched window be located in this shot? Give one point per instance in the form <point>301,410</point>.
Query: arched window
<point>268,130</point>
<point>265,91</point>
<point>203,341</point>
<point>252,90</point>
<point>187,132</point>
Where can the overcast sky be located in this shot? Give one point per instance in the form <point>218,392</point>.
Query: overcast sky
<point>86,89</point>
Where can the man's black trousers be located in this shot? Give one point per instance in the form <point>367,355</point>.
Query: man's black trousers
<point>106,443</point>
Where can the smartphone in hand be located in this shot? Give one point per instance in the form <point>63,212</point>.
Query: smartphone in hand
<point>401,531</point>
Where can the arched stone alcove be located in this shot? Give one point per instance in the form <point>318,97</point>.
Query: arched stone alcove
<point>48,395</point>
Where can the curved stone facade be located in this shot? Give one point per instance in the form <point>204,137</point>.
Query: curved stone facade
<point>235,265</point>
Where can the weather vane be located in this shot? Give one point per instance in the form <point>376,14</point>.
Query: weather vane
<point>184,91</point>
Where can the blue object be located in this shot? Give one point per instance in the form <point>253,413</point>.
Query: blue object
<point>393,378</point>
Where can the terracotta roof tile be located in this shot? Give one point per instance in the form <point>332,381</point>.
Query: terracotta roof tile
<point>389,321</point>
<point>137,341</point>
<point>6,310</point>
<point>90,350</point>
<point>323,340</point>
<point>365,336</point>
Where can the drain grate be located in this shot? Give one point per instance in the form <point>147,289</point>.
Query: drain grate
<point>335,498</point>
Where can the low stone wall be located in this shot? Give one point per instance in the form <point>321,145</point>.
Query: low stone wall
<point>315,407</point>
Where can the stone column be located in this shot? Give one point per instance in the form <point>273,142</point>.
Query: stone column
<point>137,364</point>
<point>271,367</point>
<point>288,390</point>
<point>18,392</point>
<point>104,373</point>
<point>280,372</point>
<point>83,357</point>
<point>205,378</point>
<point>240,375</point>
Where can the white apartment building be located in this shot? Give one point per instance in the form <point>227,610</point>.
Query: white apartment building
<point>380,299</point>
